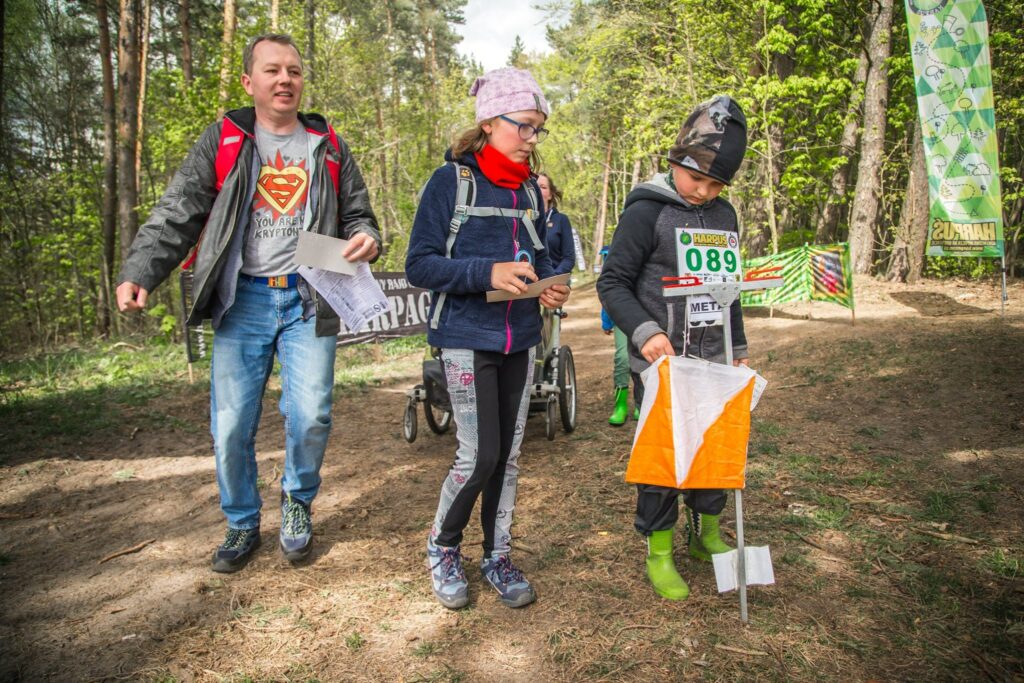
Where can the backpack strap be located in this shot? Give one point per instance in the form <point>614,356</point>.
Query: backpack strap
<point>228,149</point>
<point>465,197</point>
<point>334,164</point>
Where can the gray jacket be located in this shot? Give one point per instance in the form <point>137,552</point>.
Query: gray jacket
<point>191,208</point>
<point>643,251</point>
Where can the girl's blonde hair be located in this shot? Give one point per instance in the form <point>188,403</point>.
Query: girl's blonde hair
<point>473,140</point>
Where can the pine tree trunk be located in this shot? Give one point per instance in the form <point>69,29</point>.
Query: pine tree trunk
<point>227,40</point>
<point>308,70</point>
<point>869,171</point>
<point>127,116</point>
<point>828,224</point>
<point>907,261</point>
<point>108,210</point>
<point>147,10</point>
<point>275,14</point>
<point>186,41</point>
<point>602,215</point>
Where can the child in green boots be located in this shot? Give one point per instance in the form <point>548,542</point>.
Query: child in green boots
<point>707,154</point>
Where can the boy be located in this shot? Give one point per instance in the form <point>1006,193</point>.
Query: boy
<point>708,151</point>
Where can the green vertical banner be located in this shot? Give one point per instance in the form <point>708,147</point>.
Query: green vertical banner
<point>809,273</point>
<point>949,46</point>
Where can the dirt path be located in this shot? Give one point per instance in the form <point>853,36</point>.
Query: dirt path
<point>886,475</point>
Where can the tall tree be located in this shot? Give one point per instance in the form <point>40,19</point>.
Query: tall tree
<point>127,116</point>
<point>828,224</point>
<point>108,208</point>
<point>227,40</point>
<point>140,128</point>
<point>275,14</point>
<point>186,41</point>
<point>309,71</point>
<point>907,261</point>
<point>866,195</point>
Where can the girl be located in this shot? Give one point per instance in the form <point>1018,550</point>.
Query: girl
<point>494,241</point>
<point>560,243</point>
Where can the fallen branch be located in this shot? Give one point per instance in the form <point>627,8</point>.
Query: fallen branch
<point>127,551</point>
<point>802,538</point>
<point>793,386</point>
<point>947,537</point>
<point>740,651</point>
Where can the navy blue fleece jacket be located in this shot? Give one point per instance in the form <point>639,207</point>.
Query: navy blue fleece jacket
<point>467,320</point>
<point>561,248</point>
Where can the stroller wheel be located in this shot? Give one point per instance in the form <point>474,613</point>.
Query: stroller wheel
<point>550,418</point>
<point>566,381</point>
<point>409,422</point>
<point>438,425</point>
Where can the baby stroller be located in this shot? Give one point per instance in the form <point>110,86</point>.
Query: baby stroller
<point>553,390</point>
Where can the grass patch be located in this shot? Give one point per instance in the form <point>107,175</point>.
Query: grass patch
<point>354,641</point>
<point>1004,564</point>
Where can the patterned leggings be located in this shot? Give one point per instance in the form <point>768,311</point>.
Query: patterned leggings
<point>490,398</point>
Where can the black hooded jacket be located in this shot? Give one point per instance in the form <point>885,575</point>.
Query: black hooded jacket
<point>643,251</point>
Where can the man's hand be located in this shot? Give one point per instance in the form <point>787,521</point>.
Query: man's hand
<point>361,247</point>
<point>507,276</point>
<point>745,362</point>
<point>607,331</point>
<point>555,296</point>
<point>131,297</point>
<point>656,347</point>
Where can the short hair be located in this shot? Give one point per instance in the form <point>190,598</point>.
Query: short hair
<point>279,38</point>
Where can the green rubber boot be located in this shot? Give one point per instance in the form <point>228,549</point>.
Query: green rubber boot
<point>661,568</point>
<point>703,537</point>
<point>621,412</point>
<point>636,413</point>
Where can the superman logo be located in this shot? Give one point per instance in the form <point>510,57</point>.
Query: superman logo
<point>280,187</point>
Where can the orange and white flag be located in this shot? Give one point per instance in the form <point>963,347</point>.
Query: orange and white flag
<point>694,424</point>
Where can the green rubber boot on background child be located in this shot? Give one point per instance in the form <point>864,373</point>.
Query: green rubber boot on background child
<point>621,412</point>
<point>703,535</point>
<point>661,568</point>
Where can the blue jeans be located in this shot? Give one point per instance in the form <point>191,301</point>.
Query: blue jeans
<point>264,321</point>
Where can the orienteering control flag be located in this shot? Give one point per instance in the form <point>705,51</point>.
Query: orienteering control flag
<point>694,424</point>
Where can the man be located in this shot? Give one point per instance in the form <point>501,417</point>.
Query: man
<point>287,177</point>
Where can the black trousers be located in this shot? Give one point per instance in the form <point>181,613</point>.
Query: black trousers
<point>657,507</point>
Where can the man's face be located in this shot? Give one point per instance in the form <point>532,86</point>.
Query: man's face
<point>275,83</point>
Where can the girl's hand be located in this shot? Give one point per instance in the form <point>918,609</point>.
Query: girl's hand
<point>656,347</point>
<point>554,296</point>
<point>745,362</point>
<point>508,276</point>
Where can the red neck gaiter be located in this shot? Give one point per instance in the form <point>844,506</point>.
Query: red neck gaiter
<point>501,170</point>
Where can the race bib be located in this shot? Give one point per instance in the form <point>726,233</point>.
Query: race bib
<point>710,256</point>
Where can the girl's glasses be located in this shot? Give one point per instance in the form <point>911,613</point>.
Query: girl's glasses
<point>526,131</point>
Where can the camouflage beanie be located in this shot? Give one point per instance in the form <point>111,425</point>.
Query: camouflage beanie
<point>713,140</point>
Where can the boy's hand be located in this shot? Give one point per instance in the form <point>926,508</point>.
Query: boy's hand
<point>554,296</point>
<point>745,362</point>
<point>606,331</point>
<point>656,347</point>
<point>507,276</point>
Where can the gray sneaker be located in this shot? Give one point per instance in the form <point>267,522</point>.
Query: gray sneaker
<point>446,575</point>
<point>505,577</point>
<point>296,529</point>
<point>236,550</point>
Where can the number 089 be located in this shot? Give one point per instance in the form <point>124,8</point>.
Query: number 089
<point>715,261</point>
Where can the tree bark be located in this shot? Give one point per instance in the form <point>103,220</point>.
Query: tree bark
<point>309,72</point>
<point>127,116</point>
<point>227,40</point>
<point>602,212</point>
<point>147,11</point>
<point>907,262</point>
<point>275,14</point>
<point>869,170</point>
<point>828,224</point>
<point>108,210</point>
<point>186,41</point>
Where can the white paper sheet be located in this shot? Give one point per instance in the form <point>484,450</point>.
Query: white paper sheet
<point>357,298</point>
<point>534,289</point>
<point>322,251</point>
<point>759,568</point>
